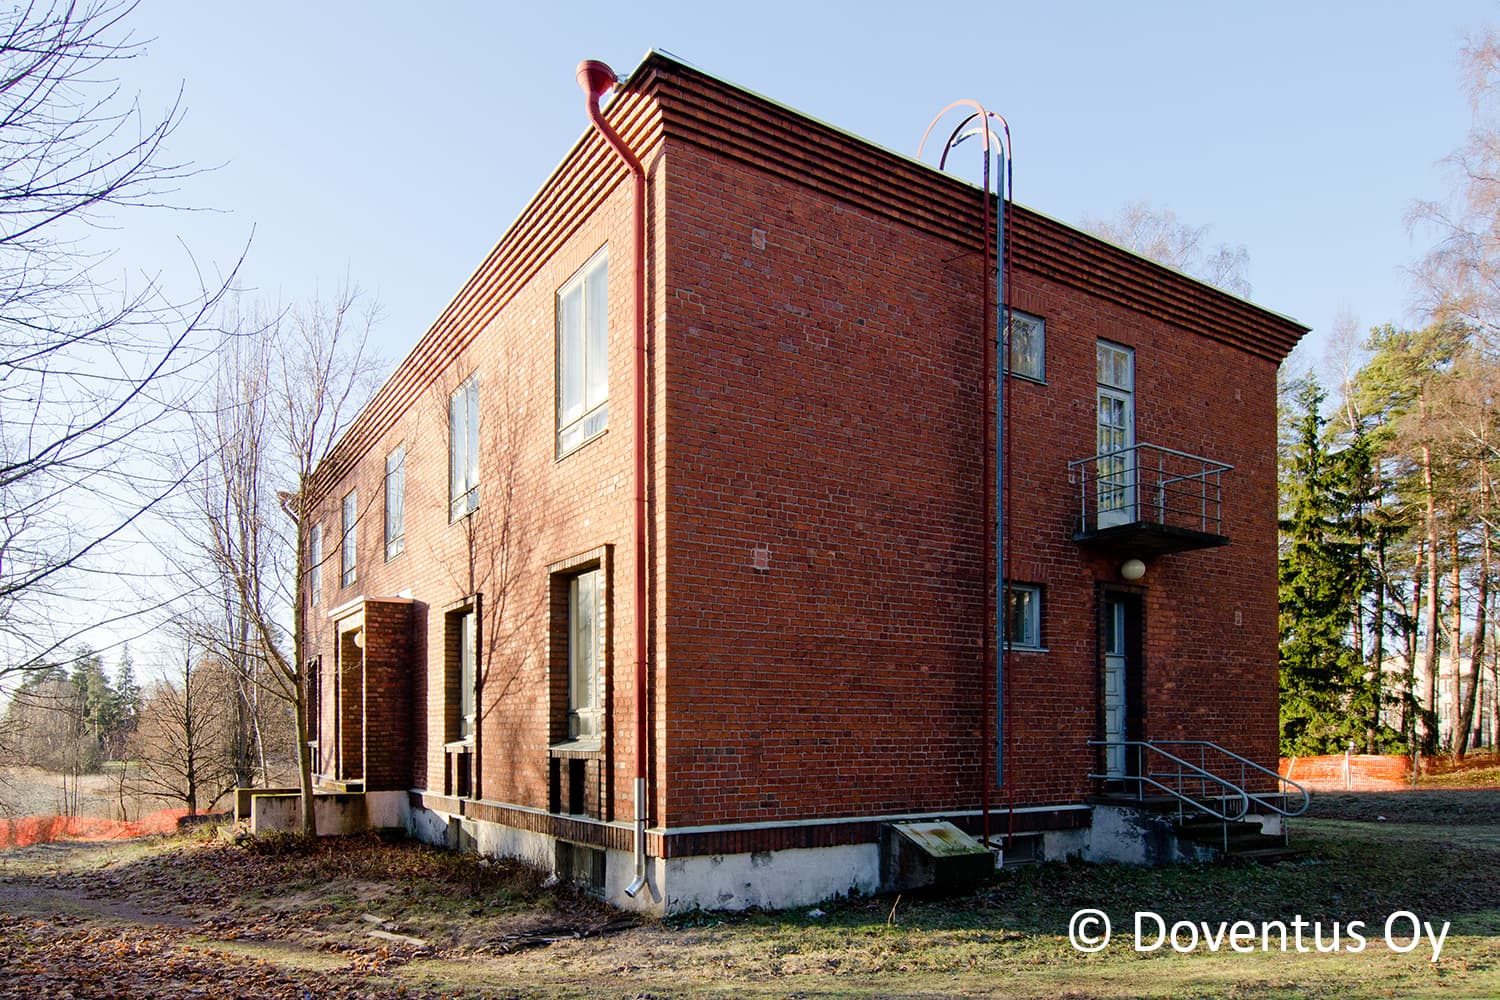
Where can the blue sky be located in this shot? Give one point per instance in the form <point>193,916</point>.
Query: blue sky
<point>394,144</point>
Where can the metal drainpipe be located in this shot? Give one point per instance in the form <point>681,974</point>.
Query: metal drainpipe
<point>597,79</point>
<point>996,545</point>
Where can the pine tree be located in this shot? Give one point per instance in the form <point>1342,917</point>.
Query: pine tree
<point>1319,585</point>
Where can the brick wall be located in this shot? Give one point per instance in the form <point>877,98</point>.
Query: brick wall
<point>824,361</point>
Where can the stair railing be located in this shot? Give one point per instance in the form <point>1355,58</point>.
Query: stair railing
<point>1285,787</point>
<point>1191,785</point>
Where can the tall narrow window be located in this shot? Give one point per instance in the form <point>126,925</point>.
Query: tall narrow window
<point>315,565</point>
<point>395,502</point>
<point>463,449</point>
<point>583,355</point>
<point>1117,469</point>
<point>583,655</point>
<point>349,519</point>
<point>468,668</point>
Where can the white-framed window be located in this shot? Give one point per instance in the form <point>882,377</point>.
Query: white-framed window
<point>1028,346</point>
<point>315,565</point>
<point>348,524</point>
<point>583,355</point>
<point>395,502</point>
<point>1023,616</point>
<point>585,593</point>
<point>463,449</point>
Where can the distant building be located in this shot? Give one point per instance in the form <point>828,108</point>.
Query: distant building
<point>1481,734</point>
<point>814,535</point>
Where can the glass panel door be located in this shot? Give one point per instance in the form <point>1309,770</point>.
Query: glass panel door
<point>1116,435</point>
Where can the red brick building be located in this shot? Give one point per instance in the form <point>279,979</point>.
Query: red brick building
<point>813,522</point>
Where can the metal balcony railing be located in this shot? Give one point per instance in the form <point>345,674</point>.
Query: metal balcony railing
<point>1149,484</point>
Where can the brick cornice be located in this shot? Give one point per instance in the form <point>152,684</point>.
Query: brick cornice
<point>759,133</point>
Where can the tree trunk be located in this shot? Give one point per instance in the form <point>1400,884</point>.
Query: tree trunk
<point>1430,657</point>
<point>304,764</point>
<point>1456,646</point>
<point>1481,624</point>
<point>1377,675</point>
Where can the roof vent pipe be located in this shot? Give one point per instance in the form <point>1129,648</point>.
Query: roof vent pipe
<point>597,80</point>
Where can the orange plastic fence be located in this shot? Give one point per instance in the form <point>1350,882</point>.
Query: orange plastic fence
<point>29,830</point>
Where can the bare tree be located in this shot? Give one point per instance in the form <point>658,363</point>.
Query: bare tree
<point>1459,278</point>
<point>184,741</point>
<point>1157,233</point>
<point>490,565</point>
<point>89,367</point>
<point>288,388</point>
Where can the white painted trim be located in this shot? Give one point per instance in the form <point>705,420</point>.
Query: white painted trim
<point>890,818</point>
<point>766,824</point>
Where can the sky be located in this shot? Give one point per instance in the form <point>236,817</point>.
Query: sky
<point>390,146</point>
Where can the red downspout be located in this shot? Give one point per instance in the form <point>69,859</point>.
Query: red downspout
<point>597,79</point>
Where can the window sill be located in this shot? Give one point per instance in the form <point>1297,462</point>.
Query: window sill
<point>577,749</point>
<point>459,746</point>
<point>1028,649</point>
<point>572,448</point>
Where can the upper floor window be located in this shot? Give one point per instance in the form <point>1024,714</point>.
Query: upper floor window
<point>315,565</point>
<point>1023,616</point>
<point>395,502</point>
<point>463,449</point>
<point>348,522</point>
<point>1028,340</point>
<point>583,355</point>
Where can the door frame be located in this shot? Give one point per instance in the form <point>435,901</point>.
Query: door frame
<point>1134,601</point>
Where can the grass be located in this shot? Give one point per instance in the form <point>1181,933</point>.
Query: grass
<point>492,929</point>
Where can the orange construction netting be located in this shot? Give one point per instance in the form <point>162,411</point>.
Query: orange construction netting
<point>30,830</point>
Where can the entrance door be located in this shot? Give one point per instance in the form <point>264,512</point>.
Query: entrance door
<point>1116,490</point>
<point>1115,685</point>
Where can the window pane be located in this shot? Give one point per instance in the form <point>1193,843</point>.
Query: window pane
<point>570,358</point>
<point>596,317</point>
<point>472,424</point>
<point>347,539</point>
<point>467,669</point>
<point>583,645</point>
<point>315,564</point>
<point>457,435</point>
<point>1023,616</point>
<point>1027,340</point>
<point>395,499</point>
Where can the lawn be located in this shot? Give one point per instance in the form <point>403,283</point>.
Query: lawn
<point>190,916</point>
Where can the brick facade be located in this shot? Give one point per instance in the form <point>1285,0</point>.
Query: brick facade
<point>815,427</point>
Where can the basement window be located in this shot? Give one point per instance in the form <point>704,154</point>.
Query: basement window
<point>583,355</point>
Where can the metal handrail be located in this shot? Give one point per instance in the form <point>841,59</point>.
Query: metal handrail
<point>1151,486</point>
<point>1244,762</point>
<point>1186,770</point>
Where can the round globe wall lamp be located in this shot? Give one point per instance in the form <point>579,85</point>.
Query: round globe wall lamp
<point>1132,569</point>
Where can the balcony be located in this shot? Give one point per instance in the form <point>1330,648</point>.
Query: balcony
<point>1147,500</point>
